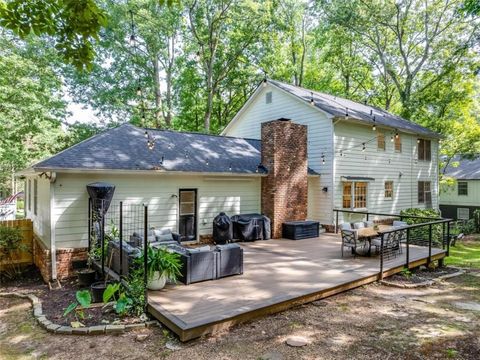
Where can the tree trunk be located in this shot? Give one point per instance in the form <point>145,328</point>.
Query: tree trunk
<point>158,94</point>
<point>210,93</point>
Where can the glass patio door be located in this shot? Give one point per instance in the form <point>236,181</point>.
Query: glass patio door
<point>187,225</point>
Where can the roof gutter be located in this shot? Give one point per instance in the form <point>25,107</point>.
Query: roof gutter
<point>143,172</point>
<point>351,119</point>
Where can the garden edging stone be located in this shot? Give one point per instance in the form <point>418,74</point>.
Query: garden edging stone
<point>68,330</point>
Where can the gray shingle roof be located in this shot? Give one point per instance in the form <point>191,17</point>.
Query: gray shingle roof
<point>466,169</point>
<point>337,106</point>
<point>125,148</point>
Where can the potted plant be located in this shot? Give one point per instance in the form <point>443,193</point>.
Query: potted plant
<point>162,265</point>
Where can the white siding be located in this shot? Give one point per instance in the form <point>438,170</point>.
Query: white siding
<point>449,194</point>
<point>41,221</point>
<point>400,167</point>
<point>320,140</point>
<point>159,192</point>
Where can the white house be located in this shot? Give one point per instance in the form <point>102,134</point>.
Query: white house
<point>367,158</point>
<point>461,199</point>
<point>290,153</point>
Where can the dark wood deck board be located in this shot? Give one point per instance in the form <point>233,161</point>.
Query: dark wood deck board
<point>276,273</point>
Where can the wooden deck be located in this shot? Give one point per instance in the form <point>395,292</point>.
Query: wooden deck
<point>278,274</point>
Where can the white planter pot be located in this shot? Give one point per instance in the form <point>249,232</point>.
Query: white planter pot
<point>157,281</point>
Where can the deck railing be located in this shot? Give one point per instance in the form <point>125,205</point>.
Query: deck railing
<point>429,235</point>
<point>432,234</point>
<point>367,216</point>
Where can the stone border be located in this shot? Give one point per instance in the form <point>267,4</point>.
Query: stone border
<point>68,330</point>
<point>425,283</point>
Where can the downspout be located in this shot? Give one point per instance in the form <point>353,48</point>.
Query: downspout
<point>53,249</point>
<point>334,172</point>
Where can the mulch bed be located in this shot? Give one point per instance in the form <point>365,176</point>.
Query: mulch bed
<point>420,275</point>
<point>54,302</point>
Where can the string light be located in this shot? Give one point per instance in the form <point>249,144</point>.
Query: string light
<point>230,167</point>
<point>132,35</point>
<point>346,112</point>
<point>312,102</point>
<point>323,159</point>
<point>418,141</point>
<point>364,147</point>
<point>374,126</point>
<point>139,91</point>
<point>396,134</point>
<point>264,82</point>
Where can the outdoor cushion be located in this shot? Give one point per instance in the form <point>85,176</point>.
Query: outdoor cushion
<point>359,225</point>
<point>199,249</point>
<point>227,246</point>
<point>369,223</point>
<point>164,237</point>
<point>346,226</point>
<point>399,223</point>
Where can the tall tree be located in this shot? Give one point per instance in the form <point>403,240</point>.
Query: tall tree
<point>410,39</point>
<point>223,31</point>
<point>72,24</point>
<point>31,107</point>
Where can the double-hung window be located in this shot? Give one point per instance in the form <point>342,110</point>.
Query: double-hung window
<point>425,193</point>
<point>354,195</point>
<point>462,188</point>
<point>424,150</point>
<point>389,190</point>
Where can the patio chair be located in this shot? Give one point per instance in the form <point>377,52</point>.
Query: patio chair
<point>229,260</point>
<point>369,223</point>
<point>392,242</point>
<point>349,238</point>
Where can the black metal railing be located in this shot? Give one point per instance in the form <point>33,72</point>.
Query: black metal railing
<point>387,215</point>
<point>429,235</point>
<point>110,237</point>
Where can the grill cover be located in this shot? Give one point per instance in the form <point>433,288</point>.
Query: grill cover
<point>249,227</point>
<point>222,229</point>
<point>100,192</point>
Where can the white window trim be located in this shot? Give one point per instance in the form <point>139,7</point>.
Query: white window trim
<point>463,209</point>
<point>384,188</point>
<point>352,195</point>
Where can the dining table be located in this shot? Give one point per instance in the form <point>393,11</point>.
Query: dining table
<point>371,232</point>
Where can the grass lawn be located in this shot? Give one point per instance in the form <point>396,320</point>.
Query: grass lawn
<point>465,253</point>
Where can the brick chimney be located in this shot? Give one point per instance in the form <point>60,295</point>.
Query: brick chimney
<point>285,188</point>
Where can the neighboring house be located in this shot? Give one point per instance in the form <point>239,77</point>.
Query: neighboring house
<point>333,153</point>
<point>460,200</point>
<point>367,158</point>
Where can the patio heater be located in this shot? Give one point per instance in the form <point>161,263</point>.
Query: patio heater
<point>101,195</point>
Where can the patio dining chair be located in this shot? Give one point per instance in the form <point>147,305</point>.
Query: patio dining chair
<point>392,242</point>
<point>349,238</point>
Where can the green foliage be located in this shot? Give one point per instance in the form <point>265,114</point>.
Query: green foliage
<point>420,235</point>
<point>135,291</point>
<point>10,246</point>
<point>83,301</point>
<point>476,219</point>
<point>110,291</point>
<point>406,273</point>
<point>163,261</point>
<point>71,24</point>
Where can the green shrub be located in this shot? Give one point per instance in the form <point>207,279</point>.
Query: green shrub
<point>420,235</point>
<point>10,246</point>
